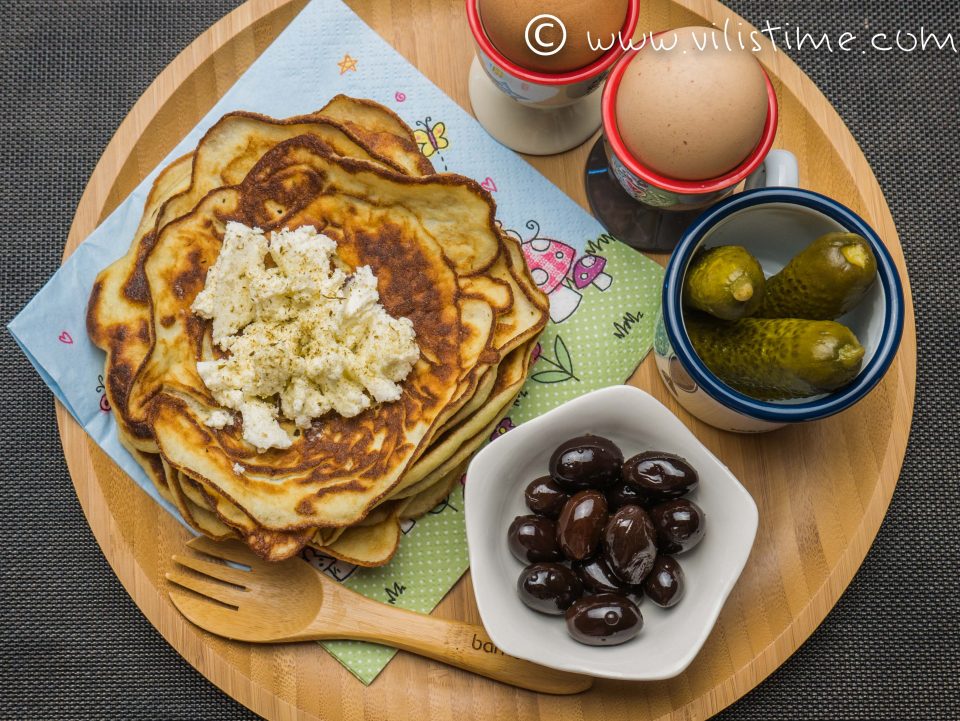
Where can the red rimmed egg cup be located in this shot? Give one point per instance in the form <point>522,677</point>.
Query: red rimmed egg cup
<point>650,211</point>
<point>534,112</point>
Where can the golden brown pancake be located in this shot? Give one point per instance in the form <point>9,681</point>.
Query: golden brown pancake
<point>461,442</point>
<point>118,318</point>
<point>372,545</point>
<point>118,315</point>
<point>440,260</point>
<point>380,130</point>
<point>420,504</point>
<point>387,222</point>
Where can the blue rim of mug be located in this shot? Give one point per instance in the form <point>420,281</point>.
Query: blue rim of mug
<point>869,375</point>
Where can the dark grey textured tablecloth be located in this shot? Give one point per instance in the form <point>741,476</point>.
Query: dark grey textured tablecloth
<point>72,643</point>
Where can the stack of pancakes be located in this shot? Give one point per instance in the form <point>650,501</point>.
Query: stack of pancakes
<point>354,172</point>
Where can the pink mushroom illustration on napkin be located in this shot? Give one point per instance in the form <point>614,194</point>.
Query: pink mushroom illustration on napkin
<point>558,273</point>
<point>589,271</point>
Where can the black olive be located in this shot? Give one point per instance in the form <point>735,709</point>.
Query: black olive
<point>680,525</point>
<point>586,462</point>
<point>659,476</point>
<point>605,619</point>
<point>622,494</point>
<point>665,583</point>
<point>581,524</point>
<point>597,577</point>
<point>545,497</point>
<point>549,587</point>
<point>534,538</point>
<point>629,544</point>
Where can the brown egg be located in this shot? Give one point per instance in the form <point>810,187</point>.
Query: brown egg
<point>505,23</point>
<point>692,110</point>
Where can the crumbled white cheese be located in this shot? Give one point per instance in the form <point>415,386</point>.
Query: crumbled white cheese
<point>238,469</point>
<point>302,330</point>
<point>219,419</point>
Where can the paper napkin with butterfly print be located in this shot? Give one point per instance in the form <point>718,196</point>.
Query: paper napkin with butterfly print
<point>603,295</point>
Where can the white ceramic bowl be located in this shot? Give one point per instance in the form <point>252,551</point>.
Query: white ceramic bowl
<point>670,638</point>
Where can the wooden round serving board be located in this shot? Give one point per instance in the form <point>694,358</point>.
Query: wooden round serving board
<point>822,488</point>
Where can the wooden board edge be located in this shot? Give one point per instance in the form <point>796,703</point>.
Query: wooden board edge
<point>134,580</point>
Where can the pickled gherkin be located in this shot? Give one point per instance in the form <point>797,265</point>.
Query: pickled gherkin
<point>726,282</point>
<point>777,358</point>
<point>822,282</point>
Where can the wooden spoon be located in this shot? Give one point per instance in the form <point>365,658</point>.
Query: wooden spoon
<point>291,601</point>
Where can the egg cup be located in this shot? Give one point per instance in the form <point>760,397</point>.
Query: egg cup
<point>650,211</point>
<point>534,112</point>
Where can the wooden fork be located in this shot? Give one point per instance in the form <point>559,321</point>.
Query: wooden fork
<point>291,601</point>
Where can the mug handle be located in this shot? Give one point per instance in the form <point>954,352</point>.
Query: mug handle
<point>779,169</point>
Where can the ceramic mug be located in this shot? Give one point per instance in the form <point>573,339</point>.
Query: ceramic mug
<point>774,224</point>
<point>658,191</point>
